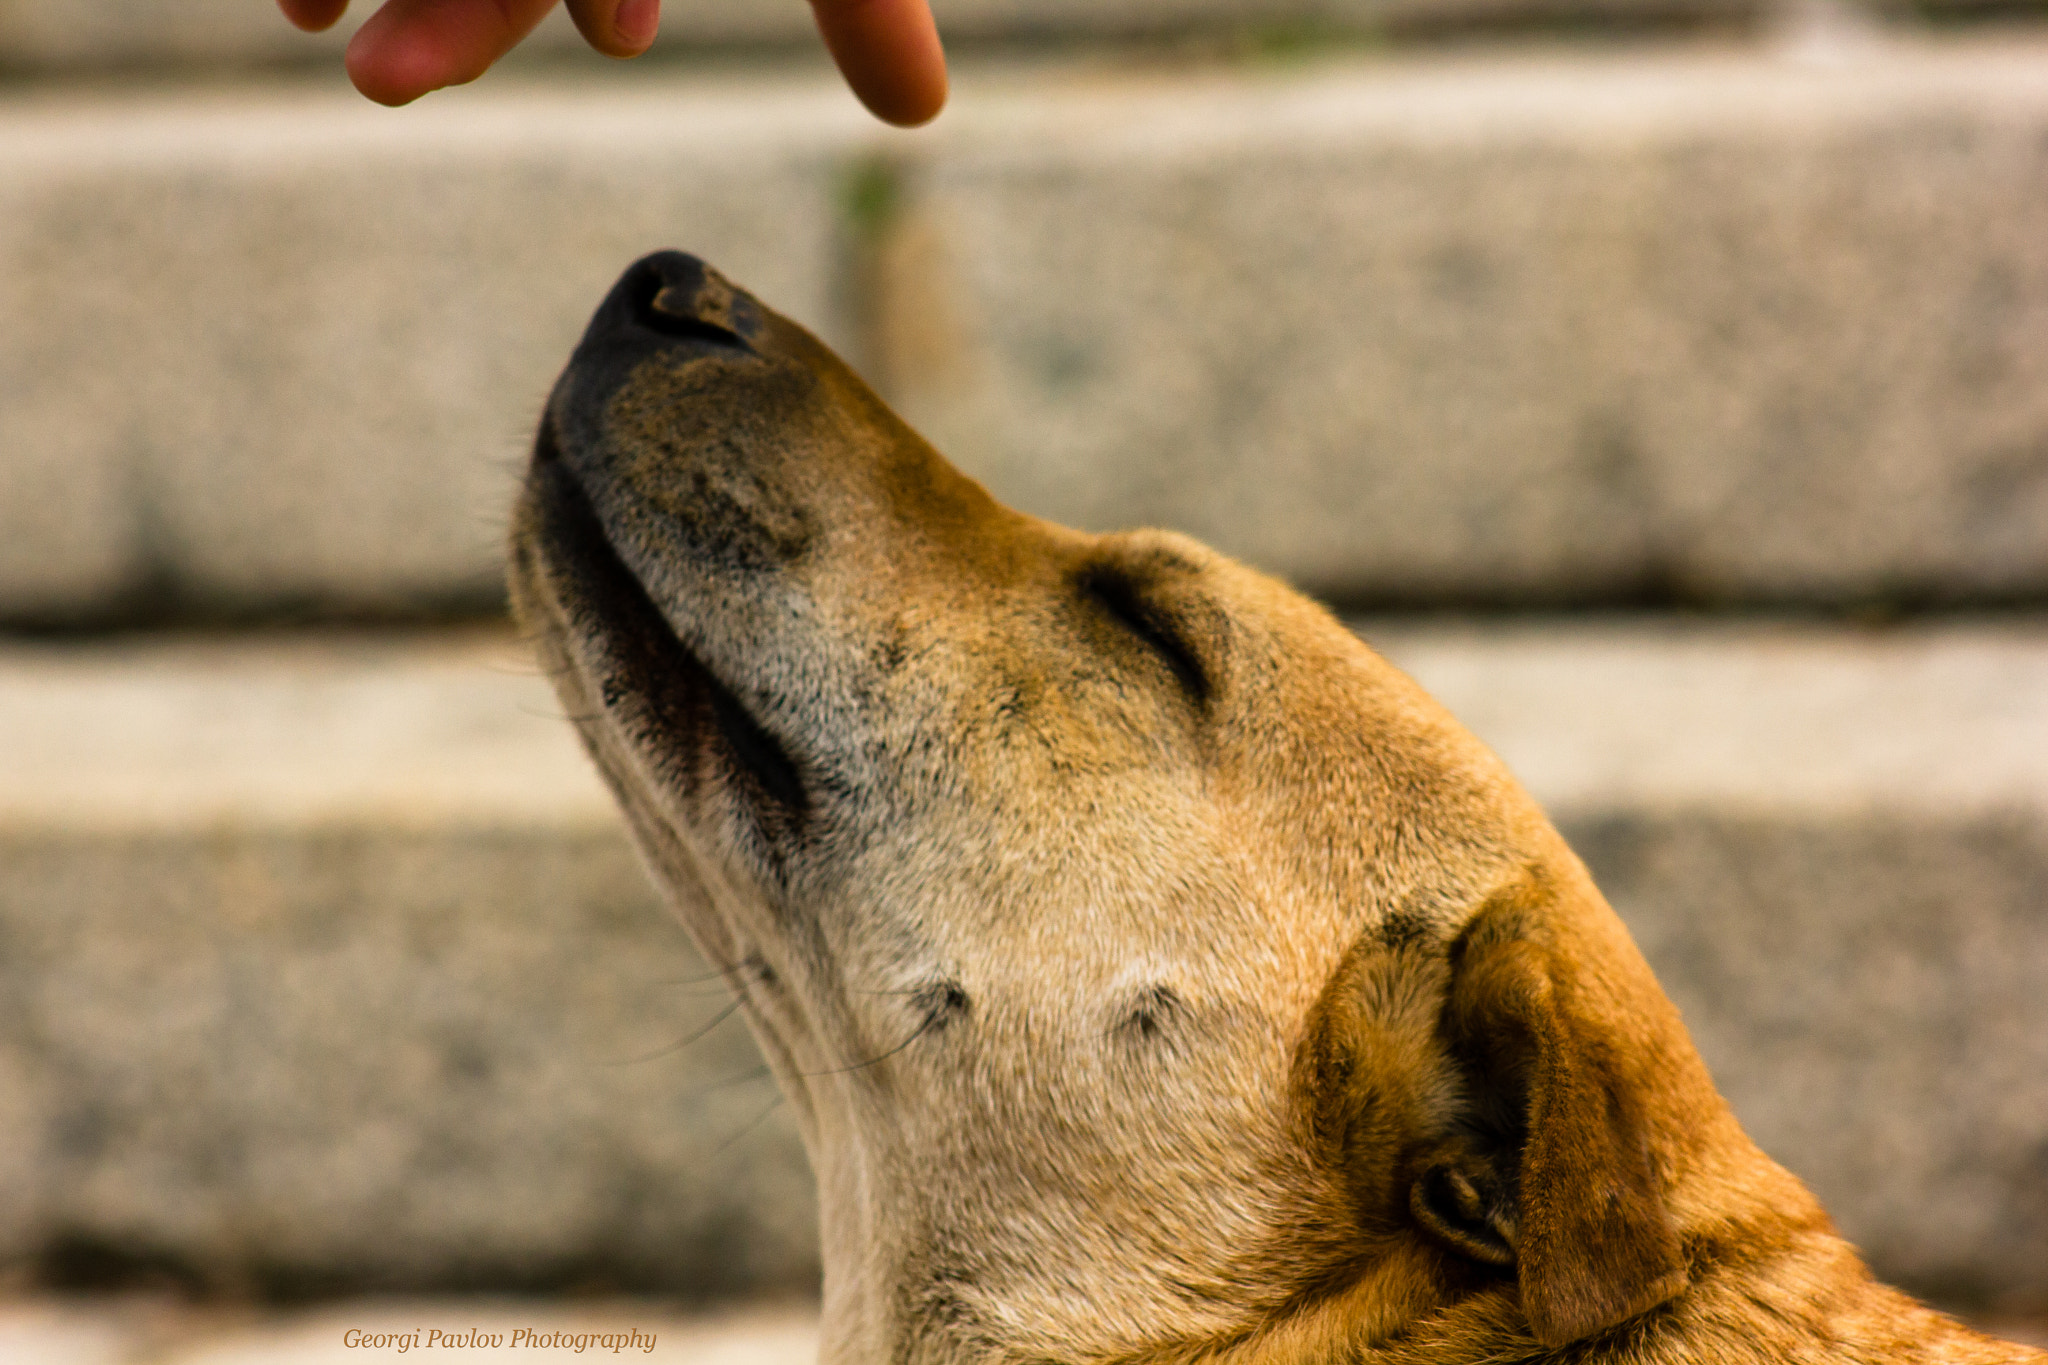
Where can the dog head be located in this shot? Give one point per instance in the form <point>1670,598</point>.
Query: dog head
<point>1153,969</point>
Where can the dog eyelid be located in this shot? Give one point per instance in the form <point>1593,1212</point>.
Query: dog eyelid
<point>1115,592</point>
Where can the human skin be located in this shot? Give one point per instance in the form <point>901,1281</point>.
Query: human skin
<point>888,50</point>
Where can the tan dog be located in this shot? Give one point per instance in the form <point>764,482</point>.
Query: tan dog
<point>1157,974</point>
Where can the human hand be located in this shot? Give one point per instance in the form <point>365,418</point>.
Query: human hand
<point>888,50</point>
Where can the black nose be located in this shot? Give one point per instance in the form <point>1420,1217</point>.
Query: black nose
<point>671,298</point>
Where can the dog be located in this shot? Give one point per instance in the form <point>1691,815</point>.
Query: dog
<point>1157,975</point>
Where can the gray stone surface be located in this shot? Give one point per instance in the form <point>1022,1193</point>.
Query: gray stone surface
<point>1738,325</point>
<point>324,963</point>
<point>328,966</point>
<point>274,349</point>
<point>1567,327</point>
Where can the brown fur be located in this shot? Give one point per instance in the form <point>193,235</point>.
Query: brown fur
<point>1158,976</point>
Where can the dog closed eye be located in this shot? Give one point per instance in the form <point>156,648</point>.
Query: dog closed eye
<point>1121,599</point>
<point>1156,1010</point>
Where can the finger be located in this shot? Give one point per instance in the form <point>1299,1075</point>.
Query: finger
<point>412,46</point>
<point>314,16</point>
<point>617,28</point>
<point>889,52</point>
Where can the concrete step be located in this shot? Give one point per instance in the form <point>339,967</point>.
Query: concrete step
<point>1713,325</point>
<point>1565,327</point>
<point>287,348</point>
<point>327,965</point>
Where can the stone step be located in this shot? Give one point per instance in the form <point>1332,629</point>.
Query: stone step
<point>1715,327</point>
<point>327,966</point>
<point>1722,324</point>
<point>287,348</point>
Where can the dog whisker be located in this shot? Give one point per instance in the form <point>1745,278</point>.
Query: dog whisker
<point>725,974</point>
<point>539,713</point>
<point>751,1124</point>
<point>727,980</point>
<point>759,1073</point>
<point>930,1023</point>
<point>695,1036</point>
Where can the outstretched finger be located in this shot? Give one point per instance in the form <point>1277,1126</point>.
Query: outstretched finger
<point>617,28</point>
<point>314,16</point>
<point>412,46</point>
<point>889,52</point>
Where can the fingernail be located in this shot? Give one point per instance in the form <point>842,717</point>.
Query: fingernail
<point>636,21</point>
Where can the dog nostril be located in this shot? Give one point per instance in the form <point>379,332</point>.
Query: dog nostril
<point>676,308</point>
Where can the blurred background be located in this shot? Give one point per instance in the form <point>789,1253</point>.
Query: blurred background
<point>1663,382</point>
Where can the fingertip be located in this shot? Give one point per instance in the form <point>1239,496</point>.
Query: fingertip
<point>901,110</point>
<point>375,84</point>
<point>925,104</point>
<point>390,64</point>
<point>370,75</point>
<point>636,23</point>
<point>411,47</point>
<point>907,96</point>
<point>624,29</point>
<point>313,16</point>
<point>889,52</point>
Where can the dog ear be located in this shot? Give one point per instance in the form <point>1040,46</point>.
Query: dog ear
<point>1550,1170</point>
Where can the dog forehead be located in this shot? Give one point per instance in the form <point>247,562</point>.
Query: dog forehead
<point>1336,795</point>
